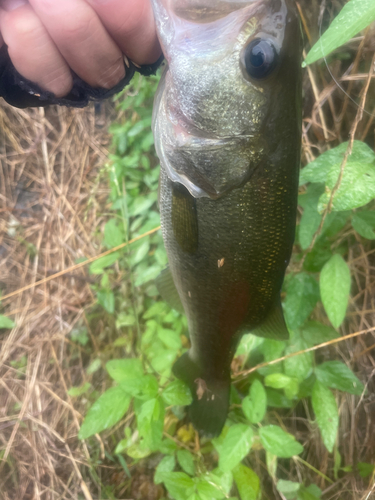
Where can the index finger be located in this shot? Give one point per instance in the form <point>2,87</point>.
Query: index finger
<point>131,24</point>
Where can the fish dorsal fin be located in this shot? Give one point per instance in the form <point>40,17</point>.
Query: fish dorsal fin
<point>274,326</point>
<point>167,289</point>
<point>184,218</point>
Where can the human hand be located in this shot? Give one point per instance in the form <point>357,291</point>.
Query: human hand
<point>47,39</point>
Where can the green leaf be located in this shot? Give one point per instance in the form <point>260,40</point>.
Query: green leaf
<point>315,333</point>
<point>94,366</point>
<point>334,223</point>
<point>155,310</point>
<point>277,380</point>
<point>313,489</point>
<point>140,252</point>
<point>236,445</point>
<point>282,381</point>
<point>145,387</point>
<point>78,391</point>
<point>255,404</point>
<point>365,469</point>
<point>162,360</point>
<point>167,447</point>
<point>186,461</point>
<point>80,336</point>
<point>279,442</point>
<point>124,465</point>
<point>306,387</point>
<point>124,369</point>
<point>138,450</point>
<point>6,322</point>
<point>105,412</point>
<point>312,492</point>
<point>138,127</point>
<point>311,218</point>
<point>355,16</point>
<point>327,417</point>
<point>335,289</point>
<point>179,485</point>
<point>98,266</point>
<point>170,338</point>
<point>146,274</point>
<point>337,375</point>
<point>319,255</point>
<point>289,489</point>
<point>276,399</point>
<point>167,464</point>
<point>317,170</point>
<point>298,367</point>
<point>364,224</point>
<point>177,393</point>
<point>357,187</point>
<point>248,343</point>
<point>208,490</point>
<point>224,480</point>
<point>122,445</point>
<point>271,349</point>
<point>125,320</point>
<point>113,234</point>
<point>150,422</point>
<point>106,299</point>
<point>141,205</point>
<point>302,294</point>
<point>247,482</point>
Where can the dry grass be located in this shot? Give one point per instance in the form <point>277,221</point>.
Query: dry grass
<point>52,203</point>
<point>50,207</point>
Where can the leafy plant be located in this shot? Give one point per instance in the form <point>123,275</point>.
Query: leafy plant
<point>355,16</point>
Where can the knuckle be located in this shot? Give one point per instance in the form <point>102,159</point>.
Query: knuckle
<point>23,27</point>
<point>78,27</point>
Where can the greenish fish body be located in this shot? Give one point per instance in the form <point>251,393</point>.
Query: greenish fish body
<point>227,132</point>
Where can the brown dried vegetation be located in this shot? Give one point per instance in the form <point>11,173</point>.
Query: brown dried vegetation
<point>50,207</point>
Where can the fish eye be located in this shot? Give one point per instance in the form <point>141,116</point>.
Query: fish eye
<point>260,58</point>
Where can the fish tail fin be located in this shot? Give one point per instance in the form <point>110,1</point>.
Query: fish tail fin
<point>209,409</point>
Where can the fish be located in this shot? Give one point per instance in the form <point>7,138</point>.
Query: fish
<point>227,129</point>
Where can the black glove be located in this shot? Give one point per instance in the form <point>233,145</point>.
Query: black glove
<point>22,93</point>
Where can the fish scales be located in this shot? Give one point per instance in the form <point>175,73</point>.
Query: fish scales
<point>229,146</point>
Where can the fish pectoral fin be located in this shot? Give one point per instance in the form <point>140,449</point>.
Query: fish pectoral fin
<point>184,218</point>
<point>167,289</point>
<point>274,326</point>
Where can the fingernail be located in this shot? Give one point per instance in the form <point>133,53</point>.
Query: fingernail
<point>12,4</point>
<point>112,76</point>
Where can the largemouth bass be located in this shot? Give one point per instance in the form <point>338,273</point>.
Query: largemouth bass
<point>227,120</point>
